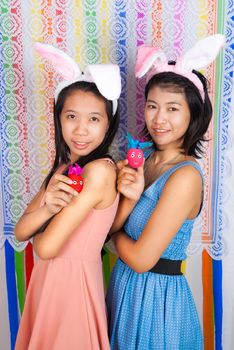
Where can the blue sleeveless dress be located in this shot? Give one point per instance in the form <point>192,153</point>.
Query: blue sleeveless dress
<point>151,311</point>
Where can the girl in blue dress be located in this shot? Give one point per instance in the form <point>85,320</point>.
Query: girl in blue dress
<point>149,302</point>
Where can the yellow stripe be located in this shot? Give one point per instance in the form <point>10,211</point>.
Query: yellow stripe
<point>183,267</point>
<point>79,39</point>
<point>104,39</point>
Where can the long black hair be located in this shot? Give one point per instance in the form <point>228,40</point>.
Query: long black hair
<point>200,110</point>
<point>62,152</point>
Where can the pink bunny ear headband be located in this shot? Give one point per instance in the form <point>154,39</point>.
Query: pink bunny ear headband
<point>151,61</point>
<point>105,76</point>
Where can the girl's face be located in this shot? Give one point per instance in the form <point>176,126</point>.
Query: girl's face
<point>84,123</point>
<point>167,117</point>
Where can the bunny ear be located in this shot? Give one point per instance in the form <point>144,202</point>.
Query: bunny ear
<point>106,77</point>
<point>61,62</point>
<point>203,52</point>
<point>146,57</point>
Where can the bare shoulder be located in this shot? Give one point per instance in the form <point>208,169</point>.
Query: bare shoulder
<point>188,170</point>
<point>187,177</point>
<point>100,171</point>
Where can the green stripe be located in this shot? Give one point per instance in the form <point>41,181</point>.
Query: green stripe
<point>19,269</point>
<point>91,32</point>
<point>106,267</point>
<point>221,16</point>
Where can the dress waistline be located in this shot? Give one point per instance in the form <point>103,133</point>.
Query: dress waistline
<point>167,267</point>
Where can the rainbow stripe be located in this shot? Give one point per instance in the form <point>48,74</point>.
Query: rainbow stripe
<point>96,31</point>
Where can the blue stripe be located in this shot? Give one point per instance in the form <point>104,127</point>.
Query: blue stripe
<point>11,292</point>
<point>9,251</point>
<point>218,302</point>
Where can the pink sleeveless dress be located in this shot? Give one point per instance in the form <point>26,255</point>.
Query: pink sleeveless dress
<point>65,305</point>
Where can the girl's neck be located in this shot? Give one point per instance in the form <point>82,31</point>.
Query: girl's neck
<point>74,159</point>
<point>167,155</point>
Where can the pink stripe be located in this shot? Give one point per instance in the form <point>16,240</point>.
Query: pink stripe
<point>141,36</point>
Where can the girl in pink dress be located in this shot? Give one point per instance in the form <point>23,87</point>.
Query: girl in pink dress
<point>65,306</point>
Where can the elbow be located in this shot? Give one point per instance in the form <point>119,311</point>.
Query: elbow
<point>18,234</point>
<point>141,265</point>
<point>137,266</point>
<point>43,255</point>
<point>43,251</point>
<point>140,269</point>
<point>22,233</point>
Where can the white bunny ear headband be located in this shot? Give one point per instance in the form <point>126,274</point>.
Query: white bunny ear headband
<point>105,76</point>
<point>151,61</point>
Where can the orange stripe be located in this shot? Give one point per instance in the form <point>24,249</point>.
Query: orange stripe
<point>208,314</point>
<point>157,9</point>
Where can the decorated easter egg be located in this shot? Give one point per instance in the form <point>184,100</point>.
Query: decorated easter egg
<point>135,157</point>
<point>77,182</point>
<point>74,172</point>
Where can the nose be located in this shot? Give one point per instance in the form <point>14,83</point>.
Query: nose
<point>159,117</point>
<point>80,127</point>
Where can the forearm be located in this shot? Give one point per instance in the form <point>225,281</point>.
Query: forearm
<point>124,209</point>
<point>31,222</point>
<point>125,247</point>
<point>132,253</point>
<point>47,244</point>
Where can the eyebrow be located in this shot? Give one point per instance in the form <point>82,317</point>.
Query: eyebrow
<point>168,103</point>
<point>101,115</point>
<point>69,110</point>
<point>73,111</point>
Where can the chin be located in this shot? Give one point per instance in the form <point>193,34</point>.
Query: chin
<point>77,154</point>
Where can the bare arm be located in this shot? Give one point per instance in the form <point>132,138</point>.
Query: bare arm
<point>124,209</point>
<point>32,219</point>
<point>180,200</point>
<point>57,195</point>
<point>130,185</point>
<point>97,189</point>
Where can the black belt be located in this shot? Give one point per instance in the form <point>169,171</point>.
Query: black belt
<point>167,267</point>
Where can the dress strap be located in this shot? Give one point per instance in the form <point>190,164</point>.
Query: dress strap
<point>110,161</point>
<point>185,163</point>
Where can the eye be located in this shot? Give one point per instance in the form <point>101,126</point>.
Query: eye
<point>71,116</point>
<point>132,155</point>
<point>139,155</point>
<point>150,106</point>
<point>173,109</point>
<point>94,119</point>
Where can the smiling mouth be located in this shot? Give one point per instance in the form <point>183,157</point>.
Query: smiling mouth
<point>160,131</point>
<point>80,145</point>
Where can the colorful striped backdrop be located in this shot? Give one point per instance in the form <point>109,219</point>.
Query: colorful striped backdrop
<point>94,31</point>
